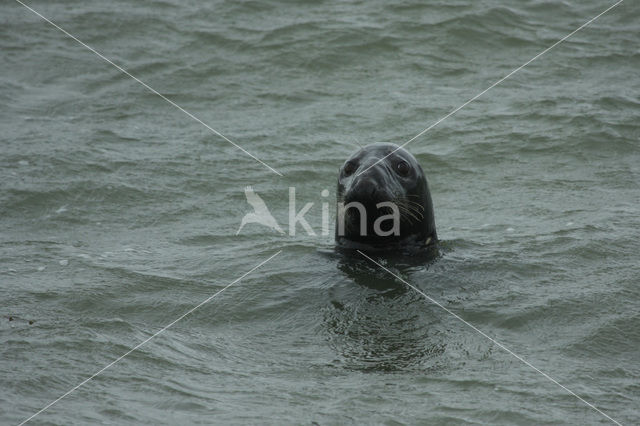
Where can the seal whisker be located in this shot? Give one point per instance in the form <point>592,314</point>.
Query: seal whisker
<point>416,205</point>
<point>419,209</point>
<point>409,209</point>
<point>406,213</point>
<point>411,205</point>
<point>417,214</point>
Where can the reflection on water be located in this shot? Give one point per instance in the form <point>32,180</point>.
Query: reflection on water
<point>376,323</point>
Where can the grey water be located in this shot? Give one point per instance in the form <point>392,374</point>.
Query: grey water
<point>119,213</point>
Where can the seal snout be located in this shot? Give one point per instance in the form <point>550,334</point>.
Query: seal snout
<point>371,186</point>
<point>366,190</point>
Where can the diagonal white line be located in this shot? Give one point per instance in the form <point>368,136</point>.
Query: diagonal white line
<point>151,89</point>
<point>494,85</point>
<point>149,338</point>
<point>458,317</point>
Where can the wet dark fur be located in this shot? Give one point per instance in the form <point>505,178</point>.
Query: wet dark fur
<point>380,183</point>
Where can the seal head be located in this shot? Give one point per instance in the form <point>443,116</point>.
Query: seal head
<point>383,205</point>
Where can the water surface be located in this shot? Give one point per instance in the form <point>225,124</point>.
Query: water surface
<point>118,213</point>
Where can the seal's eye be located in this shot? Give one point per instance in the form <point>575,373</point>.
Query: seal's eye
<point>349,168</point>
<point>403,168</point>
